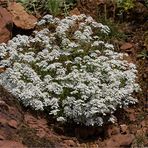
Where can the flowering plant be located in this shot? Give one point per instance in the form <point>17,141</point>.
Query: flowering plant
<point>68,70</point>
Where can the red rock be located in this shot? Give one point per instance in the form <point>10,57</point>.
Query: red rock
<point>2,137</point>
<point>143,123</point>
<point>4,106</point>
<point>13,123</point>
<point>132,117</point>
<point>75,11</point>
<point>113,131</point>
<point>29,118</point>
<point>20,17</point>
<point>5,25</point>
<point>124,128</point>
<point>3,121</point>
<point>3,3</point>
<point>70,143</point>
<point>41,133</point>
<point>120,140</point>
<point>11,144</point>
<point>126,46</point>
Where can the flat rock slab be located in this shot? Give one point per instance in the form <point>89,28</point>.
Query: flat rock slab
<point>5,25</point>
<point>20,17</point>
<point>11,144</point>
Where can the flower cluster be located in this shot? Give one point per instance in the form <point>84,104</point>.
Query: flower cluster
<point>66,68</point>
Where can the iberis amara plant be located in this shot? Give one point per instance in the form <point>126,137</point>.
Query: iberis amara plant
<point>67,69</point>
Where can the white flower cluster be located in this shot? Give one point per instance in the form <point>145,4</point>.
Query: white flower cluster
<point>69,71</point>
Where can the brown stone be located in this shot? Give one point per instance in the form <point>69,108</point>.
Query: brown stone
<point>120,140</point>
<point>13,123</point>
<point>70,143</point>
<point>143,123</point>
<point>3,121</point>
<point>132,117</point>
<point>124,128</point>
<point>20,17</point>
<point>75,11</point>
<point>11,144</point>
<point>126,46</point>
<point>5,25</point>
<point>2,137</point>
<point>113,131</point>
<point>4,3</point>
<point>4,106</point>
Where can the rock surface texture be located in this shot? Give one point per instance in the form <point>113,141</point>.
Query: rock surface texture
<point>5,25</point>
<point>20,17</point>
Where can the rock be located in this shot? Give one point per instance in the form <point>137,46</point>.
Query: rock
<point>2,134</point>
<point>143,123</point>
<point>3,121</point>
<point>29,119</point>
<point>75,11</point>
<point>113,131</point>
<point>41,133</point>
<point>4,3</point>
<point>5,25</point>
<point>2,137</point>
<point>20,17</point>
<point>120,140</point>
<point>126,46</point>
<point>11,144</point>
<point>124,128</point>
<point>13,123</point>
<point>3,106</point>
<point>132,117</point>
<point>70,143</point>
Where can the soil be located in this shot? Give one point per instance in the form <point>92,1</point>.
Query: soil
<point>20,125</point>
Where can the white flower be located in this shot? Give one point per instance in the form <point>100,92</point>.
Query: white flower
<point>67,71</point>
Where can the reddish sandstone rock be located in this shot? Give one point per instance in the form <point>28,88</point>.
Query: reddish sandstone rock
<point>113,130</point>
<point>126,46</point>
<point>13,123</point>
<point>70,143</point>
<point>5,25</point>
<point>3,3</point>
<point>11,144</point>
<point>20,17</point>
<point>75,11</point>
<point>120,140</point>
<point>124,128</point>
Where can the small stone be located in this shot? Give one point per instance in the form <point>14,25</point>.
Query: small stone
<point>70,143</point>
<point>113,131</point>
<point>2,137</point>
<point>126,46</point>
<point>132,117</point>
<point>75,11</point>
<point>123,128</point>
<point>41,133</point>
<point>4,106</point>
<point>13,124</point>
<point>143,124</point>
<point>3,121</point>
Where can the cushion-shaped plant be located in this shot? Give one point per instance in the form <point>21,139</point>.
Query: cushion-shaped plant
<point>66,69</point>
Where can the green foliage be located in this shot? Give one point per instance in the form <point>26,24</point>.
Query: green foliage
<point>114,34</point>
<point>34,6</point>
<point>54,7</point>
<point>143,54</point>
<point>125,5</point>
